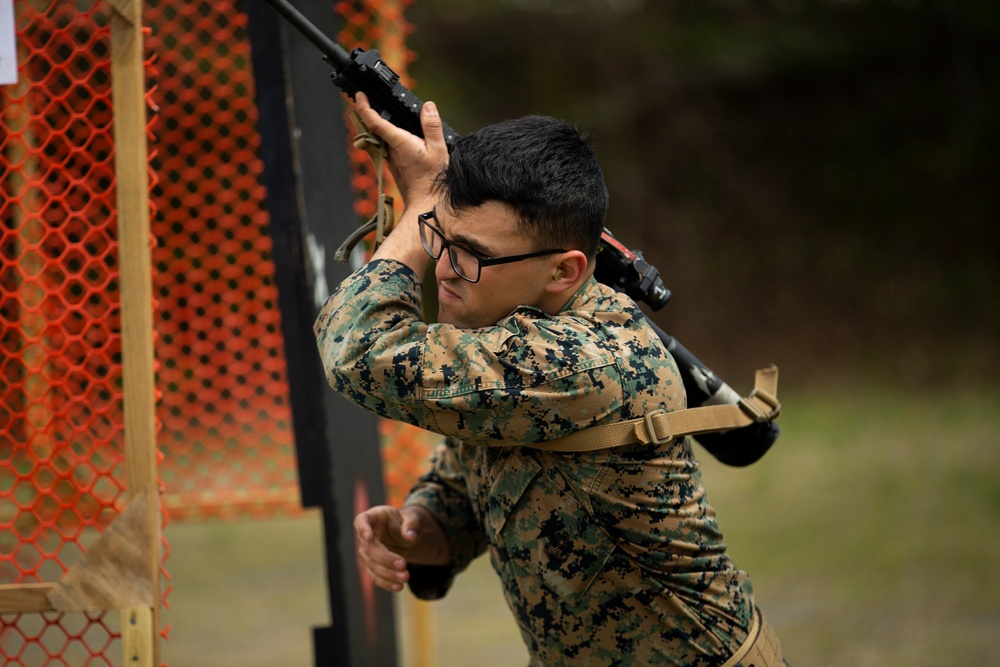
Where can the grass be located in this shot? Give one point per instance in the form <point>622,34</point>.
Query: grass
<point>245,593</point>
<point>870,532</point>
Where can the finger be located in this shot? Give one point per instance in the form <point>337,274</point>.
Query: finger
<point>364,527</point>
<point>377,125</point>
<point>430,121</point>
<point>391,574</point>
<point>375,522</point>
<point>371,118</point>
<point>392,569</point>
<point>387,584</point>
<point>363,104</point>
<point>390,581</point>
<point>378,553</point>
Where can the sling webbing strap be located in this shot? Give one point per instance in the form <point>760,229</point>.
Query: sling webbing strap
<point>659,426</point>
<point>762,647</point>
<point>384,218</point>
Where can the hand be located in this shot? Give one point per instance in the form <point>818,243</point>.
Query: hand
<point>414,161</point>
<point>388,538</point>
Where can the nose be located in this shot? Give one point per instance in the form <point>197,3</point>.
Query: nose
<point>444,270</point>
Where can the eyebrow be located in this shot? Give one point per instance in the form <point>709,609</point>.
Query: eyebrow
<point>465,241</point>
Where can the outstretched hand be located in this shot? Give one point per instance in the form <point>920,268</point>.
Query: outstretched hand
<point>390,538</point>
<point>415,163</point>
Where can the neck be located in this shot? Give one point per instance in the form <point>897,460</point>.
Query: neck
<point>554,302</point>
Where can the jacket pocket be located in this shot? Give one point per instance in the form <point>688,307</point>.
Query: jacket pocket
<point>539,525</point>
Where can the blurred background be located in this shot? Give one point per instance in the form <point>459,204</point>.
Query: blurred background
<point>815,181</point>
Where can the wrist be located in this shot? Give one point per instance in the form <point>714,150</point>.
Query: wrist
<point>403,243</point>
<point>434,548</point>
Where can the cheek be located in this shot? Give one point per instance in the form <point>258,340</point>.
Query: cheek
<point>504,291</point>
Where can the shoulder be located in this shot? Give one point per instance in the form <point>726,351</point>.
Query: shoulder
<point>596,314</point>
<point>593,329</point>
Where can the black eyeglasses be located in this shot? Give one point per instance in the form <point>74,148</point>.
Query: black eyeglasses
<point>468,264</point>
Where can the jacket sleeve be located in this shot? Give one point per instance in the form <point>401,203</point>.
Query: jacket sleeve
<point>530,378</point>
<point>442,491</point>
<point>370,336</point>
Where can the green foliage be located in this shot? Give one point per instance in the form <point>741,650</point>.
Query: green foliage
<point>807,174</point>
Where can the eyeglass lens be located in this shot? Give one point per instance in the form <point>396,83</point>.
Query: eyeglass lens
<point>464,264</point>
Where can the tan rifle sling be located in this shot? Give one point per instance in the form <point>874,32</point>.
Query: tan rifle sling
<point>660,426</point>
<point>385,216</point>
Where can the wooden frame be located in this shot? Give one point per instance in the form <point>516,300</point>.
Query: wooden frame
<point>121,570</point>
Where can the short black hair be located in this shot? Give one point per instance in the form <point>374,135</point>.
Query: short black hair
<point>543,168</point>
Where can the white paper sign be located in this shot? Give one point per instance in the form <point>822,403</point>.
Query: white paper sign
<point>8,47</point>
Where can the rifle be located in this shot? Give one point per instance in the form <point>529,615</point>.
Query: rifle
<point>618,267</point>
<point>365,71</point>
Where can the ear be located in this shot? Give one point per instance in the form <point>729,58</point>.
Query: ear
<point>568,272</point>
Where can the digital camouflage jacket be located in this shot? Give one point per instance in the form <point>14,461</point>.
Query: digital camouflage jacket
<point>612,557</point>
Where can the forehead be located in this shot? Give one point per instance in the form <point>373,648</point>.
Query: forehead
<point>490,227</point>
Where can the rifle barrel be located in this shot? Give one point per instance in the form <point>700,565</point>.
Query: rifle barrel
<point>334,53</point>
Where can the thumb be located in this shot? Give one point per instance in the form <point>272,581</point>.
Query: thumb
<point>433,128</point>
<point>410,529</point>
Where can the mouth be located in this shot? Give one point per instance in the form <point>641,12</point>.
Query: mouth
<point>445,293</point>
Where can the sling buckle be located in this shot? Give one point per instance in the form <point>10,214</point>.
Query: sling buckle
<point>751,406</point>
<point>651,435</point>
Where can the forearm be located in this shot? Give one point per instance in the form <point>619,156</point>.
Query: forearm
<point>443,494</point>
<point>433,547</point>
<point>403,244</point>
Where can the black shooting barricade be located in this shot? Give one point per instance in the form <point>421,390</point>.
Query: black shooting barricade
<point>309,200</point>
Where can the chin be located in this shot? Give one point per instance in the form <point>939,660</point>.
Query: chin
<point>455,320</point>
<point>445,317</point>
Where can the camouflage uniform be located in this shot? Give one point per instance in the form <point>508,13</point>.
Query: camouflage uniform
<point>607,558</point>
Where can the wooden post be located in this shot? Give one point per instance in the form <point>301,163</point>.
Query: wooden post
<point>424,631</point>
<point>122,569</point>
<point>140,643</point>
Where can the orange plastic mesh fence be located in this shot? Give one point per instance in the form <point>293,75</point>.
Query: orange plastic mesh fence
<point>61,445</point>
<point>226,421</point>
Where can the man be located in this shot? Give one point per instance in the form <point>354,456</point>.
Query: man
<point>611,557</point>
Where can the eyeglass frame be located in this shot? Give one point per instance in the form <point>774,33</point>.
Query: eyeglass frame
<point>481,259</point>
